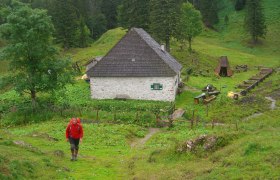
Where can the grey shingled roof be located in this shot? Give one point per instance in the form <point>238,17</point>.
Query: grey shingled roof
<point>137,54</point>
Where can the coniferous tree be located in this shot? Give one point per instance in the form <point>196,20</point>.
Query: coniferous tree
<point>97,25</point>
<point>239,5</point>
<point>226,19</point>
<point>90,11</point>
<point>109,9</point>
<point>255,20</point>
<point>83,37</point>
<point>122,17</point>
<point>209,11</point>
<point>165,16</point>
<point>134,13</point>
<point>66,22</point>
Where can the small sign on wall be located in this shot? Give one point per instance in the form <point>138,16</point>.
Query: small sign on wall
<point>156,86</point>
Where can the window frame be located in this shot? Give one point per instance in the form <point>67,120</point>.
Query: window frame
<point>157,86</point>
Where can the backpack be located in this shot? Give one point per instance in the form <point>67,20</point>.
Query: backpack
<point>78,122</point>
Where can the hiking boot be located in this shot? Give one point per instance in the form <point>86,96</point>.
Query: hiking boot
<point>73,158</point>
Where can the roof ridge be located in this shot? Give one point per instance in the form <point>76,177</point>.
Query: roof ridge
<point>158,50</point>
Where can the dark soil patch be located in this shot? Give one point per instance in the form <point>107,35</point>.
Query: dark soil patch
<point>248,100</point>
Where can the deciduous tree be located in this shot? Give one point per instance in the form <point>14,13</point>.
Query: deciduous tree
<point>190,24</point>
<point>33,59</point>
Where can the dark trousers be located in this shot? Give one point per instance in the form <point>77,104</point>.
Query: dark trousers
<point>74,144</point>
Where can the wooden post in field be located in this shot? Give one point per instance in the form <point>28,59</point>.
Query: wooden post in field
<point>97,113</point>
<point>213,123</point>
<point>115,114</point>
<point>192,120</point>
<point>236,125</point>
<point>196,120</point>
<point>137,116</point>
<point>158,120</point>
<point>207,109</point>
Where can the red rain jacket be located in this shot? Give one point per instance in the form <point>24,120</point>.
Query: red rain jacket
<point>74,131</point>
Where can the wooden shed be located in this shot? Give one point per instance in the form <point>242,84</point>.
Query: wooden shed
<point>223,68</point>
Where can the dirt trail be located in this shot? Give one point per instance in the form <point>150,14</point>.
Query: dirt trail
<point>142,141</point>
<point>252,116</point>
<point>273,102</point>
<point>192,89</point>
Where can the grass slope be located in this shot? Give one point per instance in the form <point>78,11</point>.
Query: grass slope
<point>106,152</point>
<point>252,152</point>
<point>98,48</point>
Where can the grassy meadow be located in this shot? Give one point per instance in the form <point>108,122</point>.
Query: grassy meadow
<point>33,146</point>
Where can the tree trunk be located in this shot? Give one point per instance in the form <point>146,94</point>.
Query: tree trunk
<point>33,98</point>
<point>255,39</point>
<point>167,43</point>
<point>190,44</point>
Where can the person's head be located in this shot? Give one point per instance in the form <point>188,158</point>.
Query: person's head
<point>74,120</point>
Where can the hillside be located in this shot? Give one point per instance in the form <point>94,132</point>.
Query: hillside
<point>121,140</point>
<point>40,151</point>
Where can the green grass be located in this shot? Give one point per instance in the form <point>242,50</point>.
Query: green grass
<point>106,152</point>
<point>98,48</point>
<point>3,67</point>
<point>252,153</point>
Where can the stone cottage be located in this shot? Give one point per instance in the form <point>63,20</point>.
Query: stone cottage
<point>137,67</point>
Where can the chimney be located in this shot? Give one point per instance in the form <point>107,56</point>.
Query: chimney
<point>162,47</point>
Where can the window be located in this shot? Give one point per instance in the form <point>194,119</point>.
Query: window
<point>156,86</point>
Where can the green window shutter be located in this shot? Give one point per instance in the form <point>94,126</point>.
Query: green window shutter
<point>152,86</point>
<point>160,87</point>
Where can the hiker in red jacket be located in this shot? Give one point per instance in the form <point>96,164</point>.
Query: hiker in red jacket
<point>74,134</point>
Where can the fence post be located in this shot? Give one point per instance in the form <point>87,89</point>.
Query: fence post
<point>137,116</point>
<point>207,109</point>
<point>115,115</point>
<point>192,120</point>
<point>213,123</point>
<point>236,125</point>
<point>197,119</point>
<point>97,114</point>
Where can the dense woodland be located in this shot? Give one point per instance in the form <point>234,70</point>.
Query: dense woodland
<point>78,22</point>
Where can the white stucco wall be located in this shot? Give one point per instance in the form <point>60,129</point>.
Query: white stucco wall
<point>135,88</point>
